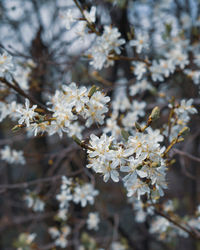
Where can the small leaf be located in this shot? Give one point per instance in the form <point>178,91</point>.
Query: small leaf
<point>125,134</point>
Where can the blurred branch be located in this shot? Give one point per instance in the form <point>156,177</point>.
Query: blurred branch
<point>193,233</point>
<point>188,155</point>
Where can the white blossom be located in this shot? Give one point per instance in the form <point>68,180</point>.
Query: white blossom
<point>6,63</point>
<point>93,221</point>
<point>12,156</point>
<point>84,194</point>
<point>104,44</point>
<point>27,114</point>
<point>141,42</point>
<point>139,69</point>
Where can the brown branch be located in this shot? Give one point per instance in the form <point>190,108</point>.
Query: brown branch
<point>192,157</point>
<point>35,182</point>
<point>116,58</point>
<point>4,223</point>
<point>22,93</point>
<point>192,233</point>
<point>30,183</point>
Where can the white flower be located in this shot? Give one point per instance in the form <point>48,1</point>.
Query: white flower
<point>100,145</point>
<point>35,203</point>
<point>194,75</point>
<point>38,205</point>
<point>54,232</point>
<point>154,135</point>
<point>178,57</point>
<point>64,197</point>
<point>136,111</point>
<point>139,69</point>
<point>61,241</point>
<point>159,225</point>
<point>103,45</point>
<point>21,75</point>
<point>62,214</point>
<point>117,246</point>
<point>65,182</point>
<point>93,221</point>
<point>103,154</point>
<point>30,238</point>
<point>4,111</point>
<point>39,128</point>
<point>195,223</point>
<point>140,87</point>
<point>121,101</point>
<point>27,113</point>
<point>186,106</point>
<point>96,108</point>
<point>76,96</point>
<point>109,171</point>
<point>6,154</point>
<point>18,157</point>
<point>138,187</point>
<point>66,230</point>
<point>12,108</point>
<point>112,127</point>
<point>9,110</point>
<point>84,194</point>
<point>141,42</point>
<point>131,169</point>
<point>156,72</point>
<point>6,63</point>
<point>167,67</point>
<point>90,16</point>
<point>197,59</point>
<point>69,18</point>
<point>60,236</point>
<point>12,156</point>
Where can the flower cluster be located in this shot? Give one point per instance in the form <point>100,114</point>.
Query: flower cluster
<point>60,236</point>
<point>34,202</point>
<point>79,194</point>
<point>165,229</point>
<point>140,157</point>
<point>108,42</point>
<point>66,105</point>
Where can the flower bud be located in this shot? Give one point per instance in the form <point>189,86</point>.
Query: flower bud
<point>155,114</point>
<point>92,91</point>
<point>184,131</point>
<point>137,125</point>
<point>125,134</point>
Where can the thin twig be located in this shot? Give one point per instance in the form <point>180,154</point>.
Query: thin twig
<point>30,183</point>
<point>192,157</point>
<point>22,93</point>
